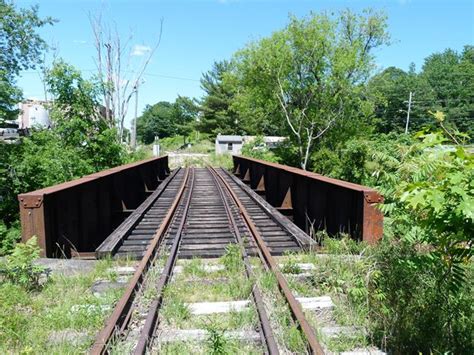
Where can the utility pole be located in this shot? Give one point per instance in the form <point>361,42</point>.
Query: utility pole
<point>133,135</point>
<point>408,112</point>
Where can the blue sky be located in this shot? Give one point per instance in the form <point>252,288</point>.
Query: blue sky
<point>198,32</point>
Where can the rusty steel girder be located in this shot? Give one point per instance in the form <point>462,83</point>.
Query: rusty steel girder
<point>74,217</point>
<point>314,201</point>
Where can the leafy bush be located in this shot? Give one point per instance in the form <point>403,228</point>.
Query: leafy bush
<point>80,143</point>
<point>9,236</point>
<point>18,267</point>
<point>411,311</point>
<point>256,148</point>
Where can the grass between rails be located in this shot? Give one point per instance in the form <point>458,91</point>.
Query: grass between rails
<point>220,280</point>
<point>62,318</point>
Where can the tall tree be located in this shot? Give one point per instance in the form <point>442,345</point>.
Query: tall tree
<point>309,76</point>
<point>20,49</point>
<point>185,116</point>
<point>157,120</point>
<point>77,118</point>
<point>451,76</point>
<point>217,114</point>
<point>119,79</point>
<point>390,92</point>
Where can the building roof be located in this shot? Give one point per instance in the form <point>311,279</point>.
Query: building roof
<point>229,139</point>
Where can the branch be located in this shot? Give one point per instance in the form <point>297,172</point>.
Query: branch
<point>280,100</point>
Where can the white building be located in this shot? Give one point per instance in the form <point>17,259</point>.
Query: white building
<point>233,144</point>
<point>33,113</point>
<point>228,144</point>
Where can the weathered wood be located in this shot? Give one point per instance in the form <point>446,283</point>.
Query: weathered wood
<point>302,238</point>
<point>113,241</point>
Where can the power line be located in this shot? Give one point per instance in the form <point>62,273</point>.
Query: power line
<point>128,71</point>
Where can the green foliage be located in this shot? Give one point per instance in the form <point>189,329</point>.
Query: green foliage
<point>344,245</point>
<point>175,311</point>
<point>421,280</point>
<point>78,121</point>
<point>290,266</point>
<point>440,197</point>
<point>410,310</point>
<point>217,342</point>
<point>165,119</point>
<point>18,267</point>
<point>445,83</point>
<point>186,112</point>
<point>156,121</point>
<point>218,115</point>
<point>20,49</point>
<point>232,259</point>
<point>451,77</point>
<point>28,320</point>
<point>9,236</point>
<point>307,78</point>
<point>256,148</point>
<point>80,143</point>
<point>389,91</point>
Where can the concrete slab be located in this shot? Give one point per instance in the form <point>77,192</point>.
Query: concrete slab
<point>303,266</point>
<point>168,336</point>
<point>123,270</point>
<point>67,266</point>
<point>315,303</point>
<point>336,331</point>
<point>101,286</point>
<point>307,303</point>
<point>200,308</point>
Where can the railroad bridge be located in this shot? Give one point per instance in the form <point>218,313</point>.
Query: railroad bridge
<point>157,216</point>
<point>117,211</point>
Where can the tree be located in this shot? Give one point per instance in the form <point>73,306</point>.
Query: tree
<point>79,143</point>
<point>309,76</point>
<point>185,115</point>
<point>119,81</point>
<point>390,90</point>
<point>76,117</point>
<point>217,114</point>
<point>20,49</point>
<point>156,121</point>
<point>451,76</point>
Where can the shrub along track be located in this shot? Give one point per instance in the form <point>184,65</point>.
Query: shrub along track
<point>205,216</point>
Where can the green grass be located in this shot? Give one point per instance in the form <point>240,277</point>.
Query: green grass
<point>196,290</point>
<point>175,314</point>
<point>28,319</point>
<point>229,346</point>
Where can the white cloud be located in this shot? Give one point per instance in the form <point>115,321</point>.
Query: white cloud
<point>140,50</point>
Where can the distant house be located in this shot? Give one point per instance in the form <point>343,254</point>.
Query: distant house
<point>233,144</point>
<point>228,144</point>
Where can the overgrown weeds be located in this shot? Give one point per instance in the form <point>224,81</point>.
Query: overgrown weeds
<point>18,267</point>
<point>30,322</point>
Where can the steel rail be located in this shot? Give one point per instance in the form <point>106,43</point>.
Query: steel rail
<point>120,317</point>
<point>151,320</point>
<point>294,305</point>
<point>267,333</point>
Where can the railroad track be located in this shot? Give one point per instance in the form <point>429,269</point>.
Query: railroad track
<point>200,212</point>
